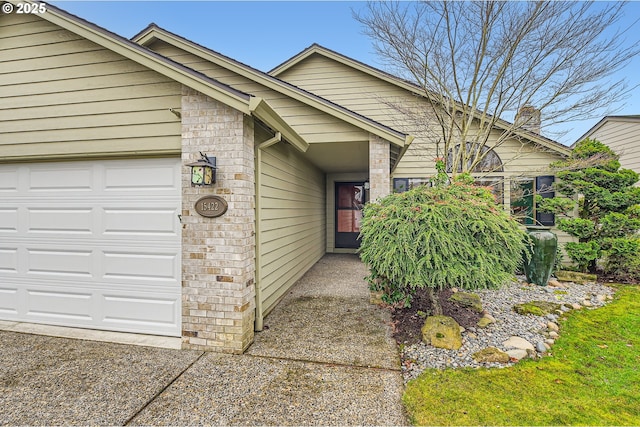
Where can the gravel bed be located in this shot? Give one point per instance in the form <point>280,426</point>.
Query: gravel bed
<point>499,303</point>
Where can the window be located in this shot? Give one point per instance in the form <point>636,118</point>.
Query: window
<point>400,185</point>
<point>523,193</point>
<point>490,163</point>
<point>495,184</point>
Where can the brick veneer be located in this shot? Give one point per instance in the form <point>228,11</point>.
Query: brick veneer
<point>379,167</point>
<point>218,254</point>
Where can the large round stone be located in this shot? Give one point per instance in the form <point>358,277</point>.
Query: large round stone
<point>442,332</point>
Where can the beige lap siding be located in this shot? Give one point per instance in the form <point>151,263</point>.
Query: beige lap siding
<point>64,96</point>
<point>292,220</point>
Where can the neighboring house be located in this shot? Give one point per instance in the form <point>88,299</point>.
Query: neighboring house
<point>622,135</point>
<point>98,220</point>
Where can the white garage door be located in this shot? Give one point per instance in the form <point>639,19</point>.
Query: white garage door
<point>92,244</point>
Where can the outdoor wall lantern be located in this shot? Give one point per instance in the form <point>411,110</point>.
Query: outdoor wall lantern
<point>203,172</point>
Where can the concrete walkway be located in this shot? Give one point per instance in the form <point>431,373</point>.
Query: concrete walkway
<point>326,359</point>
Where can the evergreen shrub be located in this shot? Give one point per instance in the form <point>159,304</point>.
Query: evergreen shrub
<point>439,237</point>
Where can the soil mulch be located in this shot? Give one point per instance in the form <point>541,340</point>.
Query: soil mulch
<point>407,322</point>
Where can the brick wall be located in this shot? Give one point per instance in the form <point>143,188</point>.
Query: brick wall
<point>379,167</point>
<point>218,254</point>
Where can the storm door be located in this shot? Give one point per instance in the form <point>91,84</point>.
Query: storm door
<point>350,199</point>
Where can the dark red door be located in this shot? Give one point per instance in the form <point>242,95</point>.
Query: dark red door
<point>350,199</point>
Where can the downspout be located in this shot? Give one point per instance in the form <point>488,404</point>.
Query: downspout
<point>259,311</point>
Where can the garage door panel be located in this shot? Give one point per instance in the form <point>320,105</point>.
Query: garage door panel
<point>142,311</point>
<point>63,220</point>
<point>9,260</point>
<point>60,262</point>
<point>59,304</point>
<point>71,178</point>
<point>8,220</point>
<point>92,244</point>
<point>134,177</point>
<point>9,300</point>
<point>158,221</point>
<point>140,266</point>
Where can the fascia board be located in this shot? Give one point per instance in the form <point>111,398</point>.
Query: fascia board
<point>263,111</point>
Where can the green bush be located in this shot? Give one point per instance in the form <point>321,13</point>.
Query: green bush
<point>583,253</point>
<point>439,237</point>
<point>608,205</point>
<point>622,258</point>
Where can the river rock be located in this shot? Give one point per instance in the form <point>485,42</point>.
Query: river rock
<point>491,354</point>
<point>518,342</point>
<point>517,353</point>
<point>552,326</point>
<point>442,332</point>
<point>537,308</point>
<point>540,347</point>
<point>485,321</point>
<point>467,300</point>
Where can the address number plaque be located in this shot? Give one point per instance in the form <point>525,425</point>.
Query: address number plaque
<point>211,206</point>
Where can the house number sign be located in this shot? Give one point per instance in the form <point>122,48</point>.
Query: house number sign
<point>211,206</point>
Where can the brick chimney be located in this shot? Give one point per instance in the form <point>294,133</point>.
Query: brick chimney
<point>528,118</point>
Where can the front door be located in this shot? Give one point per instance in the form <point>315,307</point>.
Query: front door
<point>350,199</point>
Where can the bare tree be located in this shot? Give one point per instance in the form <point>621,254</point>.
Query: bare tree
<point>478,63</point>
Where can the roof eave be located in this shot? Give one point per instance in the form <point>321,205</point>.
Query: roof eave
<point>153,33</point>
<point>263,111</point>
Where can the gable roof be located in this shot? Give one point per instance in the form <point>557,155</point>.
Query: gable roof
<point>154,33</point>
<point>221,92</point>
<point>606,119</point>
<point>316,49</point>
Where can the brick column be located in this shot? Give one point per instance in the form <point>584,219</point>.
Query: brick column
<point>218,254</point>
<point>379,167</point>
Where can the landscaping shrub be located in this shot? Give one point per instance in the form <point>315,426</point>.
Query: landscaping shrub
<point>608,210</point>
<point>439,237</point>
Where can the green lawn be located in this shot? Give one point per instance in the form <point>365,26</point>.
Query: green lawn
<point>592,378</point>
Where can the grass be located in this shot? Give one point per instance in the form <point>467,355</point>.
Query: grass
<point>591,378</point>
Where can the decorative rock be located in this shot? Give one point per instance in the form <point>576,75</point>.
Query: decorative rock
<point>554,283</point>
<point>517,342</point>
<point>468,300</point>
<point>552,326</point>
<point>517,353</point>
<point>601,298</point>
<point>485,321</point>
<point>540,347</point>
<point>549,341</point>
<point>375,297</point>
<point>537,308</point>
<point>574,276</point>
<point>587,303</point>
<point>491,354</point>
<point>576,306</point>
<point>442,332</point>
<point>553,334</point>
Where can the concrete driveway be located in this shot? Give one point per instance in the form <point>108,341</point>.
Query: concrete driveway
<point>327,358</point>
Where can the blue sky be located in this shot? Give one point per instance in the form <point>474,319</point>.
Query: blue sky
<point>263,34</point>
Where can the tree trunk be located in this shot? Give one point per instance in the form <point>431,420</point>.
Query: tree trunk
<point>435,302</point>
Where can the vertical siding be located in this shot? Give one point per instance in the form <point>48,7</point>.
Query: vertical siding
<point>292,220</point>
<point>63,95</point>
